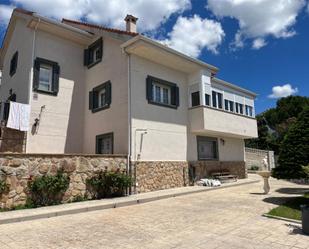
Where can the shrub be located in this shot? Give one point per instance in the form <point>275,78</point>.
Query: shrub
<point>4,187</point>
<point>255,167</point>
<point>107,184</point>
<point>47,189</point>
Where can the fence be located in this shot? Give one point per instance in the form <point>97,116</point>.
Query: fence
<point>263,159</point>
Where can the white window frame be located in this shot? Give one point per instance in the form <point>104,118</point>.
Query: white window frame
<point>50,82</point>
<point>161,94</point>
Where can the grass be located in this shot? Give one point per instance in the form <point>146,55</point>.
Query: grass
<point>291,209</point>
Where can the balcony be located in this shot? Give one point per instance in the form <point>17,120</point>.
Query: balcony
<point>208,120</point>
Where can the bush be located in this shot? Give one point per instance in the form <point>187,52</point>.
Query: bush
<point>294,151</point>
<point>47,190</point>
<point>255,167</point>
<point>4,187</point>
<point>107,184</point>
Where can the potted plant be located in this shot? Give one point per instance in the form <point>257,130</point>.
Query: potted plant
<point>305,218</point>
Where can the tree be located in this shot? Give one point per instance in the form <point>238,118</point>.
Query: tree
<point>274,123</point>
<point>294,151</point>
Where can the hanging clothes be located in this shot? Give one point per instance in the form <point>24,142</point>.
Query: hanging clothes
<point>19,116</point>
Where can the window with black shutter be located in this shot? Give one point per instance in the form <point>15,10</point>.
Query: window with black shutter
<point>94,53</point>
<point>13,64</point>
<point>162,92</point>
<point>100,97</point>
<point>46,76</point>
<point>195,99</point>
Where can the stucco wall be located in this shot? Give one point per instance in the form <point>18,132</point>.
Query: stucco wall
<point>229,149</point>
<point>113,67</point>
<point>61,124</point>
<point>21,41</point>
<point>166,137</point>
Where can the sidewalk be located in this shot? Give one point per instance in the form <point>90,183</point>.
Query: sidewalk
<point>87,206</point>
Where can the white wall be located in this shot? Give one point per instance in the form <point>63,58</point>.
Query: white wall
<point>166,137</point>
<point>113,67</point>
<point>61,125</point>
<point>21,41</point>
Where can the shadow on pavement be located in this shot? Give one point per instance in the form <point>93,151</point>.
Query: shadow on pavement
<point>293,191</point>
<point>278,200</point>
<point>295,229</point>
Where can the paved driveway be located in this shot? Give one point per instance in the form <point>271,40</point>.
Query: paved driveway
<point>226,218</point>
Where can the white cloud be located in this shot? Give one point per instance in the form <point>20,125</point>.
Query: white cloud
<point>258,43</point>
<point>5,14</point>
<point>151,13</point>
<point>191,35</point>
<point>282,91</point>
<point>259,18</point>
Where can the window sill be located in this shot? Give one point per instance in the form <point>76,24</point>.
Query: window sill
<point>100,108</point>
<point>46,92</point>
<point>93,64</point>
<point>163,105</point>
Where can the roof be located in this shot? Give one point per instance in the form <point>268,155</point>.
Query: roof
<point>118,31</point>
<point>233,86</point>
<point>159,45</point>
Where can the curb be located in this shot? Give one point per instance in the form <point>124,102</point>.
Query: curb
<point>115,204</point>
<point>281,218</point>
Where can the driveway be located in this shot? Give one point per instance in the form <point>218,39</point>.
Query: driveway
<point>225,218</point>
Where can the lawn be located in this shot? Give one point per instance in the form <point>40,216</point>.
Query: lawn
<point>291,209</point>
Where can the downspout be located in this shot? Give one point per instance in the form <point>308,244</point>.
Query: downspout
<point>129,165</point>
<point>31,71</point>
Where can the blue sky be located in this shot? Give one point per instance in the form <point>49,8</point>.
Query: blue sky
<point>257,44</point>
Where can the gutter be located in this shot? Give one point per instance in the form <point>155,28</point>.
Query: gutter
<point>129,159</point>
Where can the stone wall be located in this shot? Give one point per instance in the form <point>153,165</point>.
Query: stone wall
<point>157,175</point>
<point>254,157</point>
<point>17,169</point>
<point>205,168</point>
<point>12,140</point>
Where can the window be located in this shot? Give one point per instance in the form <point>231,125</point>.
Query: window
<point>239,108</point>
<point>229,105</point>
<point>100,97</point>
<point>207,99</point>
<point>13,65</point>
<point>249,110</point>
<point>46,76</point>
<point>195,99</point>
<point>216,99</point>
<point>105,144</point>
<point>93,55</point>
<point>226,104</point>
<point>161,92</point>
<point>207,148</point>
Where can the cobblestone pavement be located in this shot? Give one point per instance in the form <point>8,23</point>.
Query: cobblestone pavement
<point>225,218</point>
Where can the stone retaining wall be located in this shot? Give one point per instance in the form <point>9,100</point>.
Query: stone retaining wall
<point>157,175</point>
<point>205,168</point>
<point>17,169</point>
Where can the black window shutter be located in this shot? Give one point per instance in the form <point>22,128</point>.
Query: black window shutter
<point>149,89</point>
<point>36,75</point>
<point>101,49</point>
<point>175,96</point>
<point>56,74</point>
<point>90,100</point>
<point>109,92</point>
<point>86,57</point>
<point>95,100</point>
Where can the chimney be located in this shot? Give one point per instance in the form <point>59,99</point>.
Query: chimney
<point>131,23</point>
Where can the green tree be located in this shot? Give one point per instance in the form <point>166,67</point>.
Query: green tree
<point>294,151</point>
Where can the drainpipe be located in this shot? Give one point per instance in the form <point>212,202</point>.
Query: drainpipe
<point>129,165</point>
<point>31,71</point>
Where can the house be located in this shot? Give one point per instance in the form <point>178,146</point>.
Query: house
<point>94,89</point>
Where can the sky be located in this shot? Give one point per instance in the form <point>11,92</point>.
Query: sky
<point>261,45</point>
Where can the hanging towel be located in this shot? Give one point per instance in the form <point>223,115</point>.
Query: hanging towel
<point>24,111</point>
<point>13,120</point>
<point>19,116</point>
